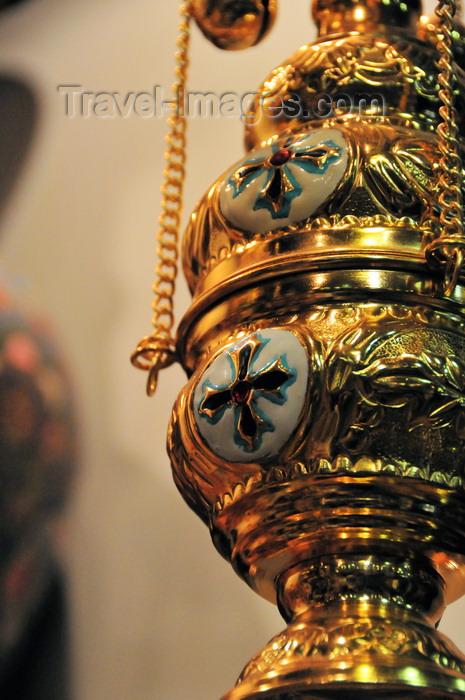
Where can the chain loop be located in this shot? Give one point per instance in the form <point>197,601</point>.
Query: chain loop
<point>448,249</point>
<point>158,350</point>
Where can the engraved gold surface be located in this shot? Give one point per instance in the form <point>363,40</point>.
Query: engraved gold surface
<point>321,434</point>
<point>400,72</point>
<point>350,652</point>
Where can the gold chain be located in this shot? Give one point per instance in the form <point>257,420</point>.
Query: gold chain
<point>158,350</point>
<point>448,249</point>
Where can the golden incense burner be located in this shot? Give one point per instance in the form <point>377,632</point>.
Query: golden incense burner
<point>321,433</point>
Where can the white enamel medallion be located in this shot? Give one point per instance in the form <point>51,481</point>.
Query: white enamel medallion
<point>248,401</point>
<point>285,182</point>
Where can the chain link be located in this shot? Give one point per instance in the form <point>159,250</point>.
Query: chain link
<point>448,249</point>
<point>158,350</point>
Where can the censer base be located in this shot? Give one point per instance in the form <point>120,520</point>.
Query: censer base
<point>393,654</point>
<point>362,608</point>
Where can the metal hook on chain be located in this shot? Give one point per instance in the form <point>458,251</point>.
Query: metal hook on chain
<point>154,354</point>
<point>452,271</point>
<point>449,253</point>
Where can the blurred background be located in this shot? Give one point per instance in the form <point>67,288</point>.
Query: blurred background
<point>153,611</point>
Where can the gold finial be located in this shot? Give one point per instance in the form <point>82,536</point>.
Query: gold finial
<point>234,24</point>
<point>337,16</point>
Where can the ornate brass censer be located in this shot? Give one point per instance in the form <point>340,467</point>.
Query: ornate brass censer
<point>321,433</point>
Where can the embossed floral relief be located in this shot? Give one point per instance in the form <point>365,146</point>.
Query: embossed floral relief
<point>352,639</point>
<point>403,74</point>
<point>395,388</point>
<point>375,62</point>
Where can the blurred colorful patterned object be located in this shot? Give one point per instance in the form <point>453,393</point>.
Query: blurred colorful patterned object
<point>37,460</point>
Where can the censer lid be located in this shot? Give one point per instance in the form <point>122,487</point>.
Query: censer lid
<point>343,178</point>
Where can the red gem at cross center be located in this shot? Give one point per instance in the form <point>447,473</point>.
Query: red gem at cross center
<point>280,157</point>
<point>241,393</point>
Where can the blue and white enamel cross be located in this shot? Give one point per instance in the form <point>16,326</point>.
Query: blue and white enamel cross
<point>281,185</point>
<point>247,403</point>
<point>242,391</point>
<point>284,182</point>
